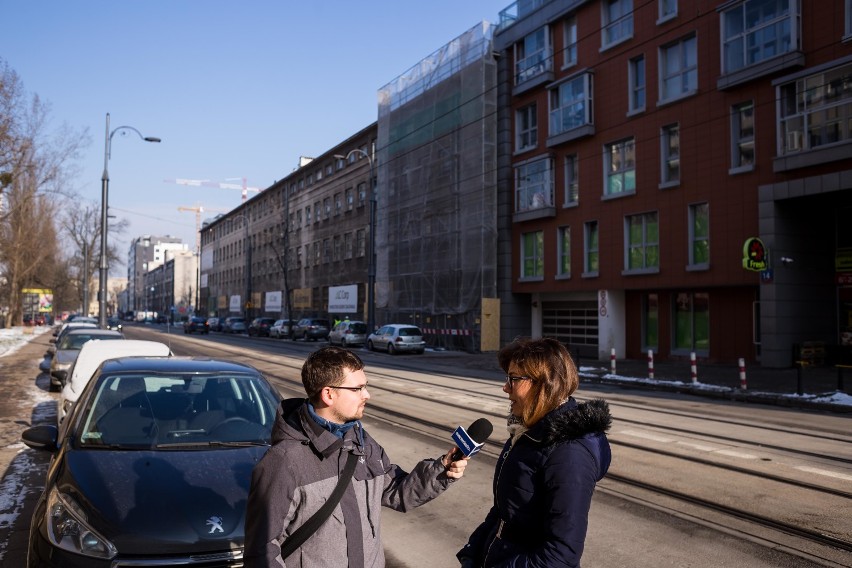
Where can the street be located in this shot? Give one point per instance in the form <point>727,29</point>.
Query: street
<point>672,456</point>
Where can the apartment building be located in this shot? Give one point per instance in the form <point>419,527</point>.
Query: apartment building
<point>146,253</point>
<point>680,174</point>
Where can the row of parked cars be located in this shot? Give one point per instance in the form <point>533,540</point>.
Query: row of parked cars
<point>138,452</point>
<point>393,338</point>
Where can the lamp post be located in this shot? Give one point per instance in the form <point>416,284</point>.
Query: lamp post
<point>371,270</point>
<point>104,265</point>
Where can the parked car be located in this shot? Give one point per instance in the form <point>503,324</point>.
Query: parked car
<point>68,349</point>
<point>347,333</point>
<point>259,327</point>
<point>397,338</point>
<point>214,324</point>
<point>311,328</point>
<point>234,324</point>
<point>64,329</point>
<point>91,356</point>
<point>153,465</point>
<point>281,328</point>
<point>196,324</point>
<point>161,318</point>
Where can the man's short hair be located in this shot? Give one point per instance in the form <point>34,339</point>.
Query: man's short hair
<point>327,367</point>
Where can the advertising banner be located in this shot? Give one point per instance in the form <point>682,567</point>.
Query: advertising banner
<point>343,299</point>
<point>273,301</point>
<point>236,303</point>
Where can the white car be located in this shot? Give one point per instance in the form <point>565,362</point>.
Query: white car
<point>397,338</point>
<point>92,355</point>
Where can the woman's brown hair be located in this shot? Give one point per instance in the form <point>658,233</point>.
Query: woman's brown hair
<point>553,375</point>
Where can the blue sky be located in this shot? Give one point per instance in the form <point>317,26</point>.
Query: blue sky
<point>233,89</point>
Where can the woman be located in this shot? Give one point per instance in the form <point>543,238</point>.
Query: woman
<point>546,474</point>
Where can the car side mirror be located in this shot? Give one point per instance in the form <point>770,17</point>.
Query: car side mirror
<point>61,375</point>
<point>42,437</point>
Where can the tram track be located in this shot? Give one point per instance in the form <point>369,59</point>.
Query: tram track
<point>282,368</point>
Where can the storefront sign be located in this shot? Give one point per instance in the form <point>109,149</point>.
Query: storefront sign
<point>754,255</point>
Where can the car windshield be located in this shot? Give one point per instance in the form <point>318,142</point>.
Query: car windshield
<point>177,411</point>
<point>75,341</point>
<point>409,331</point>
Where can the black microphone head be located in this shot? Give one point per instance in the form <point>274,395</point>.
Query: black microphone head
<point>480,429</point>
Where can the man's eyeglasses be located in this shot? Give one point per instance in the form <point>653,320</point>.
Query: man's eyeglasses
<point>511,380</point>
<point>353,389</point>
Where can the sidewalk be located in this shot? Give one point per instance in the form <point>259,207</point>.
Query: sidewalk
<point>815,388</point>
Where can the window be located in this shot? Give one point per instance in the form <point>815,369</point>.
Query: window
<point>692,322</point>
<point>742,136</point>
<point>350,199</point>
<point>699,235</point>
<point>636,80</point>
<point>337,251</point>
<point>563,251</point>
<point>338,204</point>
<point>670,155</point>
<point>616,21</point>
<point>591,260</point>
<point>678,69</point>
<point>361,242</point>
<point>651,322</point>
<point>362,194</point>
<point>642,243</point>
<point>620,167</point>
<point>571,104</point>
<point>532,55</point>
<point>816,110</point>
<point>569,33</point>
<point>757,30</point>
<point>532,259</point>
<point>326,208</point>
<point>347,245</point>
<point>307,214</point>
<point>326,251</point>
<point>572,180</point>
<point>534,183</point>
<point>316,253</point>
<point>667,10</point>
<point>526,127</point>
<point>317,212</point>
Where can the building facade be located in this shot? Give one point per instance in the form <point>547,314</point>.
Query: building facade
<point>145,254</point>
<point>680,174</point>
<point>170,286</point>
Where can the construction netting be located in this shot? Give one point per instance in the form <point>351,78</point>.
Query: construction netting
<point>436,237</point>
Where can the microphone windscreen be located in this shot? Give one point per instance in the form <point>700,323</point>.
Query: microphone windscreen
<point>480,429</point>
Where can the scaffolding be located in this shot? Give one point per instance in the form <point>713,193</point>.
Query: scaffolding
<point>436,238</point>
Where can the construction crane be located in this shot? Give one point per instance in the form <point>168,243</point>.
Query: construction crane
<point>198,211</point>
<point>244,188</point>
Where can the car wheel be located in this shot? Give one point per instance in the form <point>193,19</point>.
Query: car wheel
<point>391,350</point>
<point>370,346</point>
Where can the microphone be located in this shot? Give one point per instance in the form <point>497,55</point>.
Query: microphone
<point>470,441</point>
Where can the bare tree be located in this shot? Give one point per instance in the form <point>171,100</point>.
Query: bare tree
<point>36,166</point>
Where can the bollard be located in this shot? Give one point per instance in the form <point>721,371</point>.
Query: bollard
<point>650,363</point>
<point>693,369</point>
<point>743,385</point>
<point>800,390</point>
<point>612,360</point>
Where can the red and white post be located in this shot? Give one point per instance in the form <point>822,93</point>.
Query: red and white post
<point>743,384</point>
<point>650,363</point>
<point>612,360</point>
<point>693,368</point>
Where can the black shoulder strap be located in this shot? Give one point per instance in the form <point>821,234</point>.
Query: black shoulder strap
<point>305,531</point>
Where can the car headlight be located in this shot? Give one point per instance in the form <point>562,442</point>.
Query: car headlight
<point>68,529</point>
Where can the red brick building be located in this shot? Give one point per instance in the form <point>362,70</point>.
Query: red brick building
<point>679,174</point>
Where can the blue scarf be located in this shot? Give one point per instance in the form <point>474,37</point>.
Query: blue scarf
<point>338,430</point>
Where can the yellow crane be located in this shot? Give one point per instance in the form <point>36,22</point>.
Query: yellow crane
<point>198,211</point>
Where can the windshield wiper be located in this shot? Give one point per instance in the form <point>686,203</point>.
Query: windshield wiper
<point>215,444</point>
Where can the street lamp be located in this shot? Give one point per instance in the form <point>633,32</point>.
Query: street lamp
<point>104,267</point>
<point>371,270</point>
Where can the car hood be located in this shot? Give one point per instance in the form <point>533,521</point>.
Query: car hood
<point>172,502</point>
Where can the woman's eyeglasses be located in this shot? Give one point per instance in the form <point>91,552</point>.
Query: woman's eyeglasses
<point>511,380</point>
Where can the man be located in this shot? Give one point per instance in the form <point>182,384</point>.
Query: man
<point>311,441</point>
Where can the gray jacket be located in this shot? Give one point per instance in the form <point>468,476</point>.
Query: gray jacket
<point>298,474</point>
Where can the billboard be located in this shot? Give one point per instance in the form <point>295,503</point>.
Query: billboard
<point>343,299</point>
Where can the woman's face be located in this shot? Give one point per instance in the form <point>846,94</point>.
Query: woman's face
<point>518,389</point>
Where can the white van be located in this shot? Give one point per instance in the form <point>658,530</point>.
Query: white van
<point>92,355</point>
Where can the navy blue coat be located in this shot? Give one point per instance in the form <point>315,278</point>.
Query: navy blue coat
<point>543,489</point>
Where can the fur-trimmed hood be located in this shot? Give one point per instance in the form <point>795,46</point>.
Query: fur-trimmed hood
<point>573,420</point>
